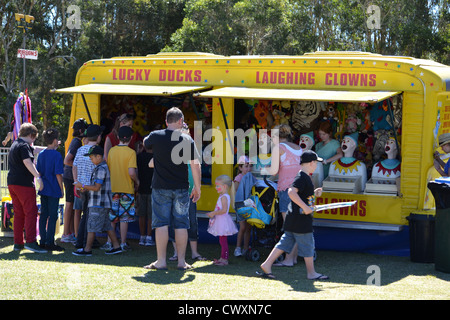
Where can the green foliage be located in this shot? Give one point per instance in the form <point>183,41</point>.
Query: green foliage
<point>419,28</point>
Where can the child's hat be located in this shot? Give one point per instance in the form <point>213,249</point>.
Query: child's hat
<point>309,156</point>
<point>80,124</point>
<point>94,150</point>
<point>444,139</point>
<point>94,130</point>
<point>243,160</point>
<point>125,132</point>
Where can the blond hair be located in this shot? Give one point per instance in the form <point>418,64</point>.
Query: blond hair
<point>284,131</point>
<point>225,179</point>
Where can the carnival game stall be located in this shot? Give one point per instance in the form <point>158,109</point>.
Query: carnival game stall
<point>385,113</point>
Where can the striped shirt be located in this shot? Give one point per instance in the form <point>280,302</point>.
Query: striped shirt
<point>103,197</point>
<point>84,165</point>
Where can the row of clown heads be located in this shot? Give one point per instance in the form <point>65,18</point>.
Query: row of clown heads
<point>348,166</point>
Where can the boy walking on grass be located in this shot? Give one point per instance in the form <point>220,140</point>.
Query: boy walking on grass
<point>100,203</point>
<point>298,222</point>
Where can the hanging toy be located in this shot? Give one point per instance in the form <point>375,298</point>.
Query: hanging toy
<point>22,112</point>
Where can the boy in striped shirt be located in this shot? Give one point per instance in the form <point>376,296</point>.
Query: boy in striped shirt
<point>100,200</point>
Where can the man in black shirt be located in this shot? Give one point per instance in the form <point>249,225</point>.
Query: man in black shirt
<point>172,152</point>
<point>298,223</point>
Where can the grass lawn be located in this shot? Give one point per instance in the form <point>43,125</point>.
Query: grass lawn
<point>27,275</point>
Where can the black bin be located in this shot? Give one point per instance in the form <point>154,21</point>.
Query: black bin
<point>421,237</point>
<point>441,194</point>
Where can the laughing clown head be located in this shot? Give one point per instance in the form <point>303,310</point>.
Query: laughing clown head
<point>349,143</point>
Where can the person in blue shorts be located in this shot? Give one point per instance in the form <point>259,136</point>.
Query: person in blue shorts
<point>298,222</point>
<point>172,152</point>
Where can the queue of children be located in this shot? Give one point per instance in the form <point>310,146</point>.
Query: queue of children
<point>106,195</point>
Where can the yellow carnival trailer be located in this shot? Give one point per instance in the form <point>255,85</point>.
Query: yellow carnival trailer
<point>372,98</point>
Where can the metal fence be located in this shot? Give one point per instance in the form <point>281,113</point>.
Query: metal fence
<point>4,172</point>
<point>4,166</point>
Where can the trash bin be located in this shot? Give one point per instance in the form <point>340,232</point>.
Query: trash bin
<point>421,237</point>
<point>441,194</point>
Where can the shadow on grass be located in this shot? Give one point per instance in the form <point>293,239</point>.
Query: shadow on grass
<point>345,269</point>
<point>165,277</point>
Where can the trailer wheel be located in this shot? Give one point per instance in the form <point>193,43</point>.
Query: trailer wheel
<point>252,255</point>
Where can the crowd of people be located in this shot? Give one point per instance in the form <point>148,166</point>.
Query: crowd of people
<point>102,185</point>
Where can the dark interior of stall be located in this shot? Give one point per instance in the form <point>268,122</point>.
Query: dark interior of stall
<point>149,114</point>
<point>374,123</point>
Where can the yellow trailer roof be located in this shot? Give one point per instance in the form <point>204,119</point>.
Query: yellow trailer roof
<point>123,89</point>
<point>288,94</point>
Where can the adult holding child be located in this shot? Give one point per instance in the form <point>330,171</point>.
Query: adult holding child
<point>172,151</point>
<point>21,175</point>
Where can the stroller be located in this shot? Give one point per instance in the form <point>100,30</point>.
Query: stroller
<point>261,211</point>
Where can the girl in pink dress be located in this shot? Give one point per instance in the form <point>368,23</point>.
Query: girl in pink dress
<point>220,223</point>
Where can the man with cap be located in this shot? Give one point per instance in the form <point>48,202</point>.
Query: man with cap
<point>82,170</point>
<point>298,222</point>
<point>439,164</point>
<point>123,167</point>
<point>79,128</point>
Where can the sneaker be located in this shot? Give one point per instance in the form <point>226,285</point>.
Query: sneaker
<point>237,252</point>
<point>114,251</point>
<point>82,253</point>
<point>125,247</point>
<point>54,247</point>
<point>106,246</point>
<point>149,241</point>
<point>142,241</point>
<point>33,246</point>
<point>68,238</point>
<point>18,247</point>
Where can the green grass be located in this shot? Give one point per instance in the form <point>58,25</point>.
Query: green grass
<point>62,276</point>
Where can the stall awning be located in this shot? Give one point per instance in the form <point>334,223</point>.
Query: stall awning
<point>291,94</point>
<point>125,89</point>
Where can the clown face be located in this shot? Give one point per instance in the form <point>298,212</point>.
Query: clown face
<point>264,142</point>
<point>306,142</point>
<point>391,149</point>
<point>348,146</point>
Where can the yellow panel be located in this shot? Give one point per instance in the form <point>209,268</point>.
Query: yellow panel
<point>220,150</point>
<point>375,208</point>
<point>129,89</point>
<point>287,94</point>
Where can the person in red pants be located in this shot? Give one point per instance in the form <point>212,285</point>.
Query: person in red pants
<point>22,172</point>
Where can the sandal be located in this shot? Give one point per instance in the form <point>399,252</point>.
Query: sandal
<point>220,262</point>
<point>199,258</point>
<point>320,277</point>
<point>186,267</point>
<point>173,258</point>
<point>265,275</point>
